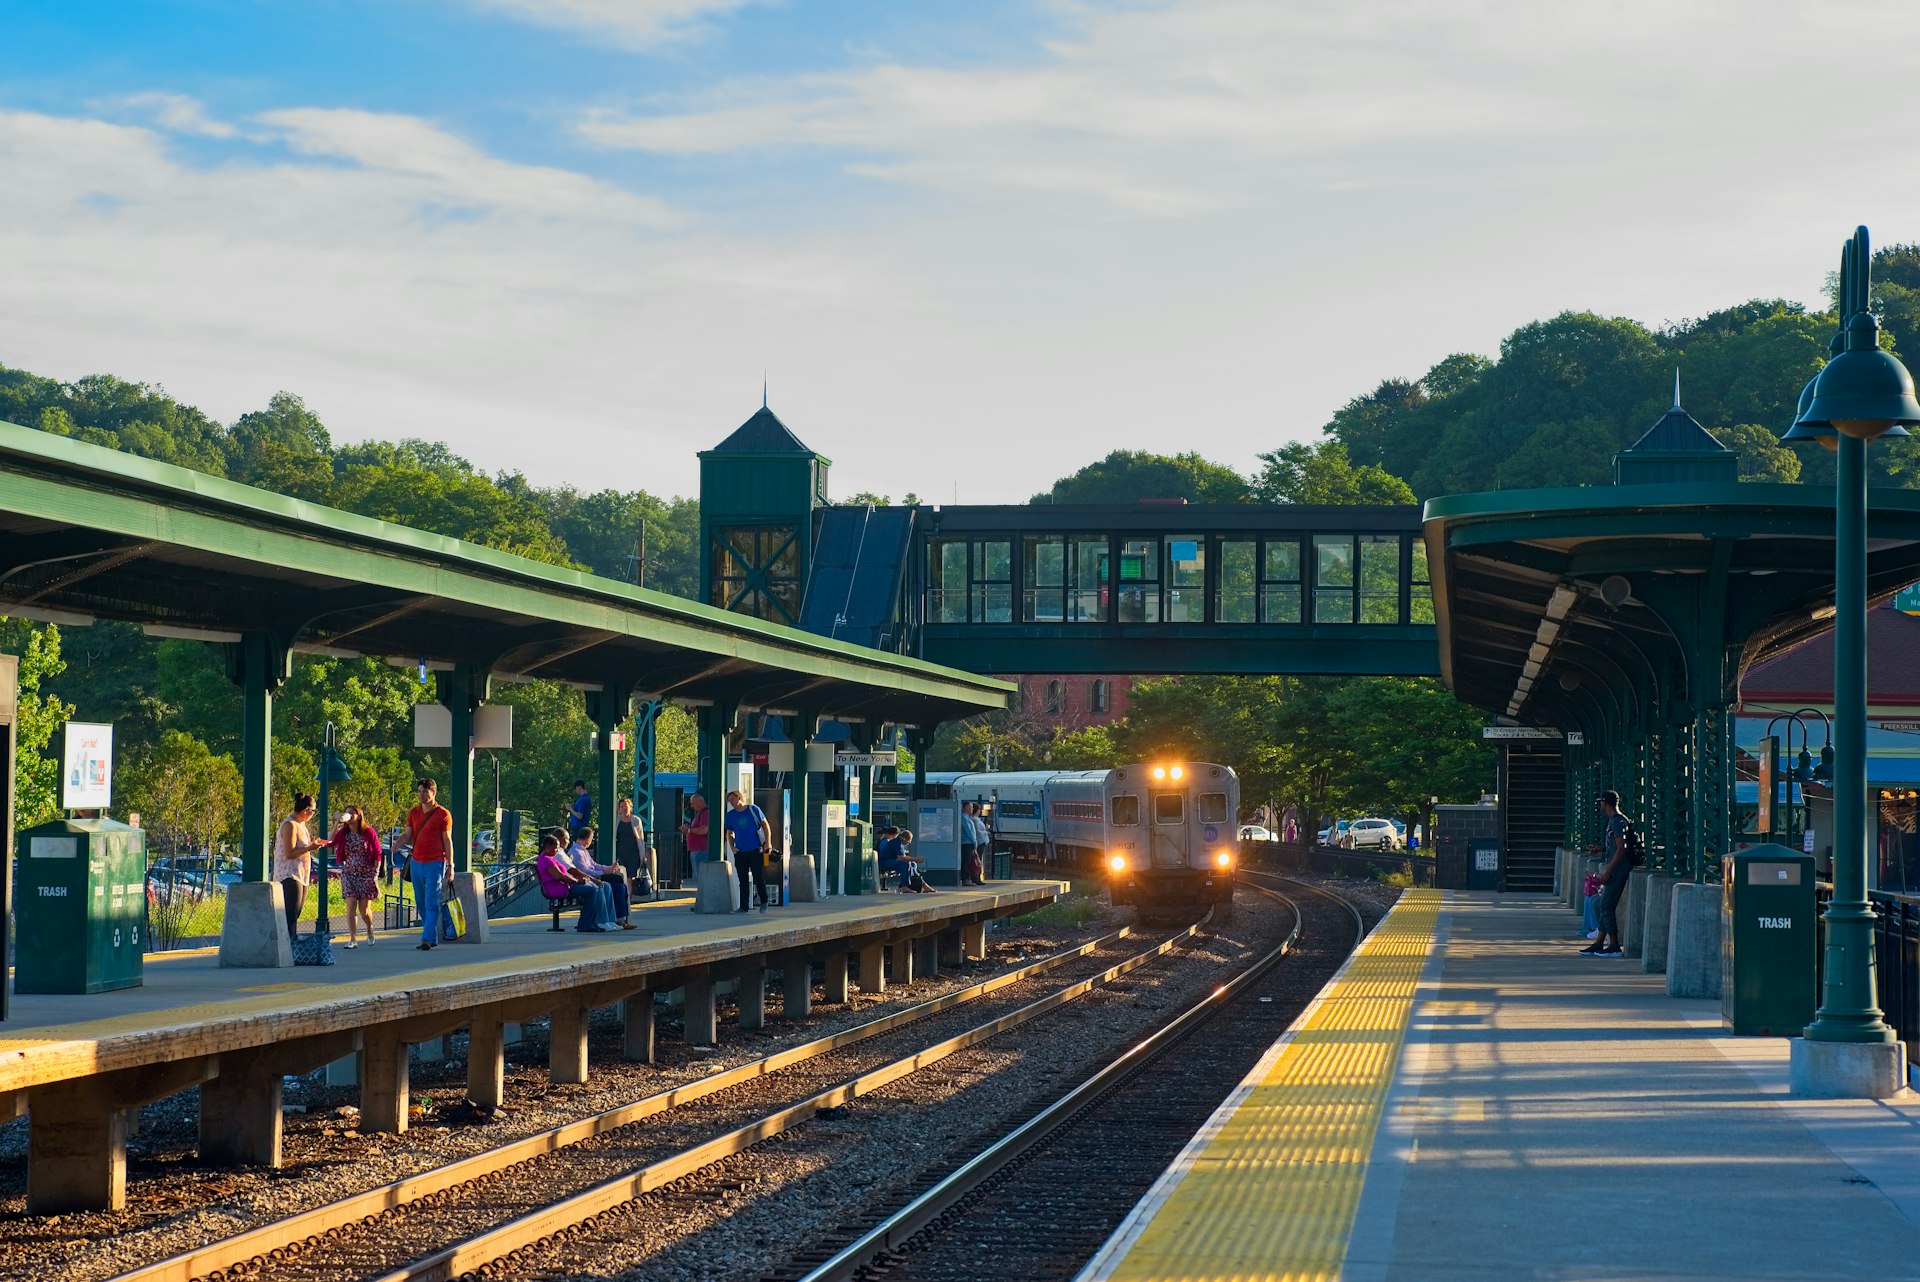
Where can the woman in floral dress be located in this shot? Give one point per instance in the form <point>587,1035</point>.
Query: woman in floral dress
<point>357,847</point>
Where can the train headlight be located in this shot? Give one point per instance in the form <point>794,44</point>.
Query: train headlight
<point>1159,772</point>
<point>1117,862</point>
<point>1224,859</point>
<point>1176,772</point>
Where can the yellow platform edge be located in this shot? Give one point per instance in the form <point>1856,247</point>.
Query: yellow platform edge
<point>1269,1187</point>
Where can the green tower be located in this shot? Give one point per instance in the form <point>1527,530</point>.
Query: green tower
<point>758,490</point>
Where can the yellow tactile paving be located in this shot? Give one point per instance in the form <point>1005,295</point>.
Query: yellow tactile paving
<point>1273,1196</point>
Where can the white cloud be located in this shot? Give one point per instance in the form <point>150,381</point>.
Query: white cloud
<point>631,24</point>
<point>174,112</point>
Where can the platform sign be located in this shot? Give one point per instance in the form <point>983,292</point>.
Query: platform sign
<point>1907,599</point>
<point>863,759</point>
<point>1519,732</point>
<point>1769,789</point>
<point>86,766</point>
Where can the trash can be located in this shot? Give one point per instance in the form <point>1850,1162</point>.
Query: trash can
<point>1003,865</point>
<point>861,875</point>
<point>1769,941</point>
<point>80,907</point>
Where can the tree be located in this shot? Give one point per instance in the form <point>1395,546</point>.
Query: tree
<point>284,448</point>
<point>36,787</point>
<point>187,796</point>
<point>1128,476</point>
<point>1763,456</point>
<point>1323,473</point>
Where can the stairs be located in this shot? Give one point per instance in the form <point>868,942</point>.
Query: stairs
<point>1533,816</point>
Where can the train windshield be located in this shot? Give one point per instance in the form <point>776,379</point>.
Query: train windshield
<point>1126,812</point>
<point>1211,808</point>
<point>1169,808</point>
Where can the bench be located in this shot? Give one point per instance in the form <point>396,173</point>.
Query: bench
<point>557,904</point>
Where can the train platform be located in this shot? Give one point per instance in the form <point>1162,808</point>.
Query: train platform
<point>77,1064</point>
<point>1471,1099</point>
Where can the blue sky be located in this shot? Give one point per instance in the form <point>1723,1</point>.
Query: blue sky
<point>971,246</point>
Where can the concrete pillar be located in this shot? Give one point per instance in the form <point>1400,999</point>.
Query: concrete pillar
<point>344,1071</point>
<point>873,969</point>
<point>76,1150</point>
<point>384,1088</point>
<point>801,883</point>
<point>715,893</point>
<point>253,930</point>
<point>902,963</point>
<point>835,984</point>
<point>1657,920</point>
<point>952,953</point>
<point>1633,911</point>
<point>926,961</point>
<point>431,1050</point>
<point>486,1062</point>
<point>567,1043</point>
<point>1693,941</point>
<point>796,985</point>
<point>636,1014</point>
<point>470,888</point>
<point>752,996</point>
<point>703,1028</point>
<point>973,939</point>
<point>512,1034</point>
<point>240,1111</point>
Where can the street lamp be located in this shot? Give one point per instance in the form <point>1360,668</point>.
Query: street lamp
<point>332,770</point>
<point>1802,769</point>
<point>1862,394</point>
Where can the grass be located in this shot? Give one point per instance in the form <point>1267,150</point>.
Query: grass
<point>176,921</point>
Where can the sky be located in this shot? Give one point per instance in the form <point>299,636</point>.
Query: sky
<point>968,247</point>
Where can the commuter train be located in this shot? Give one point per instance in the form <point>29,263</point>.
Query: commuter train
<point>1164,832</point>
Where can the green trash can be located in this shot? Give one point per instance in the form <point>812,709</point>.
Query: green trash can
<point>80,907</point>
<point>1769,941</point>
<point>1003,865</point>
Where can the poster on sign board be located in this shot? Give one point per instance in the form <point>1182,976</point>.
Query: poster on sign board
<point>86,766</point>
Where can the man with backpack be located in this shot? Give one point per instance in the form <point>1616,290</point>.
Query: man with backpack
<point>1618,845</point>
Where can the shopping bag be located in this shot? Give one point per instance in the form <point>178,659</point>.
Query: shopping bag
<point>453,919</point>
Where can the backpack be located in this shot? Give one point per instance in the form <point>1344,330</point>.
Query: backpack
<point>1636,848</point>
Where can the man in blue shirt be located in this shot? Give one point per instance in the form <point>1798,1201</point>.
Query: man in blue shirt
<point>749,836</point>
<point>580,809</point>
<point>1613,878</point>
<point>894,858</point>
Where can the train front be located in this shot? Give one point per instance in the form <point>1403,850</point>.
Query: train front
<point>1171,833</point>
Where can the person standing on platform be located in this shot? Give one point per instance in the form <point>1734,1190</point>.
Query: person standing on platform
<point>293,848</point>
<point>1613,879</point>
<point>749,835</point>
<point>580,809</point>
<point>430,826</point>
<point>357,847</point>
<point>982,845</point>
<point>969,844</point>
<point>580,855</point>
<point>696,830</point>
<point>630,849</point>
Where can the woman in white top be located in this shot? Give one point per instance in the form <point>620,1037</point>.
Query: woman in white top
<point>293,848</point>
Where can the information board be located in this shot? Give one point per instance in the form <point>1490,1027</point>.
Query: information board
<point>86,766</point>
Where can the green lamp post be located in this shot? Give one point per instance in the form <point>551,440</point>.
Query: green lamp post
<point>332,770</point>
<point>1862,394</point>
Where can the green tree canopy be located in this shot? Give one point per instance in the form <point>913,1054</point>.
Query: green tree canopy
<point>1128,476</point>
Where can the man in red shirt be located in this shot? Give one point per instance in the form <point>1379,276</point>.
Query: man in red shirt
<point>430,824</point>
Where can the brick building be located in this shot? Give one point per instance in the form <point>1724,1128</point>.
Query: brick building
<point>1071,701</point>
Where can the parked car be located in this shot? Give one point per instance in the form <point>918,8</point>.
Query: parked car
<point>1334,833</point>
<point>1254,832</point>
<point>168,883</point>
<point>484,841</point>
<point>1371,834</point>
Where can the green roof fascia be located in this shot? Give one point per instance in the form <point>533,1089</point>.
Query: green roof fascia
<point>788,455</point>
<point>522,585</point>
<point>1628,499</point>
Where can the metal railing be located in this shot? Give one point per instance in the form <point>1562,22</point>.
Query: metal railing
<point>1896,950</point>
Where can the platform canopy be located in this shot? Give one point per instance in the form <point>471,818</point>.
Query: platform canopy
<point>89,533</point>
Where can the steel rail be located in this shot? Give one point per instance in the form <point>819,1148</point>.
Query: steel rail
<point>262,1243</point>
<point>894,1231</point>
<point>503,1241</point>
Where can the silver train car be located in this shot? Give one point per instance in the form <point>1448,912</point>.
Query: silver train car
<point>1163,832</point>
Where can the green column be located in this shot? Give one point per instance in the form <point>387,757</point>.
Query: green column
<point>920,740</point>
<point>462,690</point>
<point>1713,791</point>
<point>800,729</point>
<point>716,725</point>
<point>646,746</point>
<point>1849,995</point>
<point>607,708</point>
<point>259,664</point>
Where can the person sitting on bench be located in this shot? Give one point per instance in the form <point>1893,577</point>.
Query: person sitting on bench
<point>560,882</point>
<point>897,861</point>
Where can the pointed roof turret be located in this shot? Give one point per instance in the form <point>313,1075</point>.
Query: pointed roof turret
<point>1678,431</point>
<point>764,433</point>
<point>1676,448</point>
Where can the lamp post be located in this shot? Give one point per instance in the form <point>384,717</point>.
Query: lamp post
<point>1862,393</point>
<point>332,770</point>
<point>1802,770</point>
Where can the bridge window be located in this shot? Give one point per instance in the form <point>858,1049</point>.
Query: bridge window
<point>1333,578</point>
<point>1139,581</point>
<point>1065,579</point>
<point>1237,598</point>
<point>1097,696</point>
<point>1422,603</point>
<point>969,581</point>
<point>1186,579</point>
<point>1280,583</point>
<point>1379,578</point>
<point>1087,581</point>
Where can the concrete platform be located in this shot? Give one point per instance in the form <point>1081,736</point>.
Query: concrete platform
<point>77,1064</point>
<point>1547,1116</point>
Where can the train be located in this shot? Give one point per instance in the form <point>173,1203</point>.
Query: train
<point>1163,832</point>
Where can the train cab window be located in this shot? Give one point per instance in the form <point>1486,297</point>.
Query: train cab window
<point>1139,581</point>
<point>1235,598</point>
<point>1211,808</point>
<point>1126,812</point>
<point>1169,808</point>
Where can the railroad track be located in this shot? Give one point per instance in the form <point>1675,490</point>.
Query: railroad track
<point>471,1214</point>
<point>1039,1202</point>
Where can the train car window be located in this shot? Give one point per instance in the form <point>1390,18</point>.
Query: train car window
<point>1126,812</point>
<point>1379,578</point>
<point>1333,578</point>
<point>1211,807</point>
<point>1236,598</point>
<point>1169,808</point>
<point>1280,582</point>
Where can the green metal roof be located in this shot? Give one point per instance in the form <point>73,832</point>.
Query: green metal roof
<point>93,531</point>
<point>764,433</point>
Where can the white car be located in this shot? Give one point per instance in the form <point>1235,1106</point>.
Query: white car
<point>1370,834</point>
<point>1254,832</point>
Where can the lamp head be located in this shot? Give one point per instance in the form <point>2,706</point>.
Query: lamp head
<point>1802,431</point>
<point>1863,392</point>
<point>1803,768</point>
